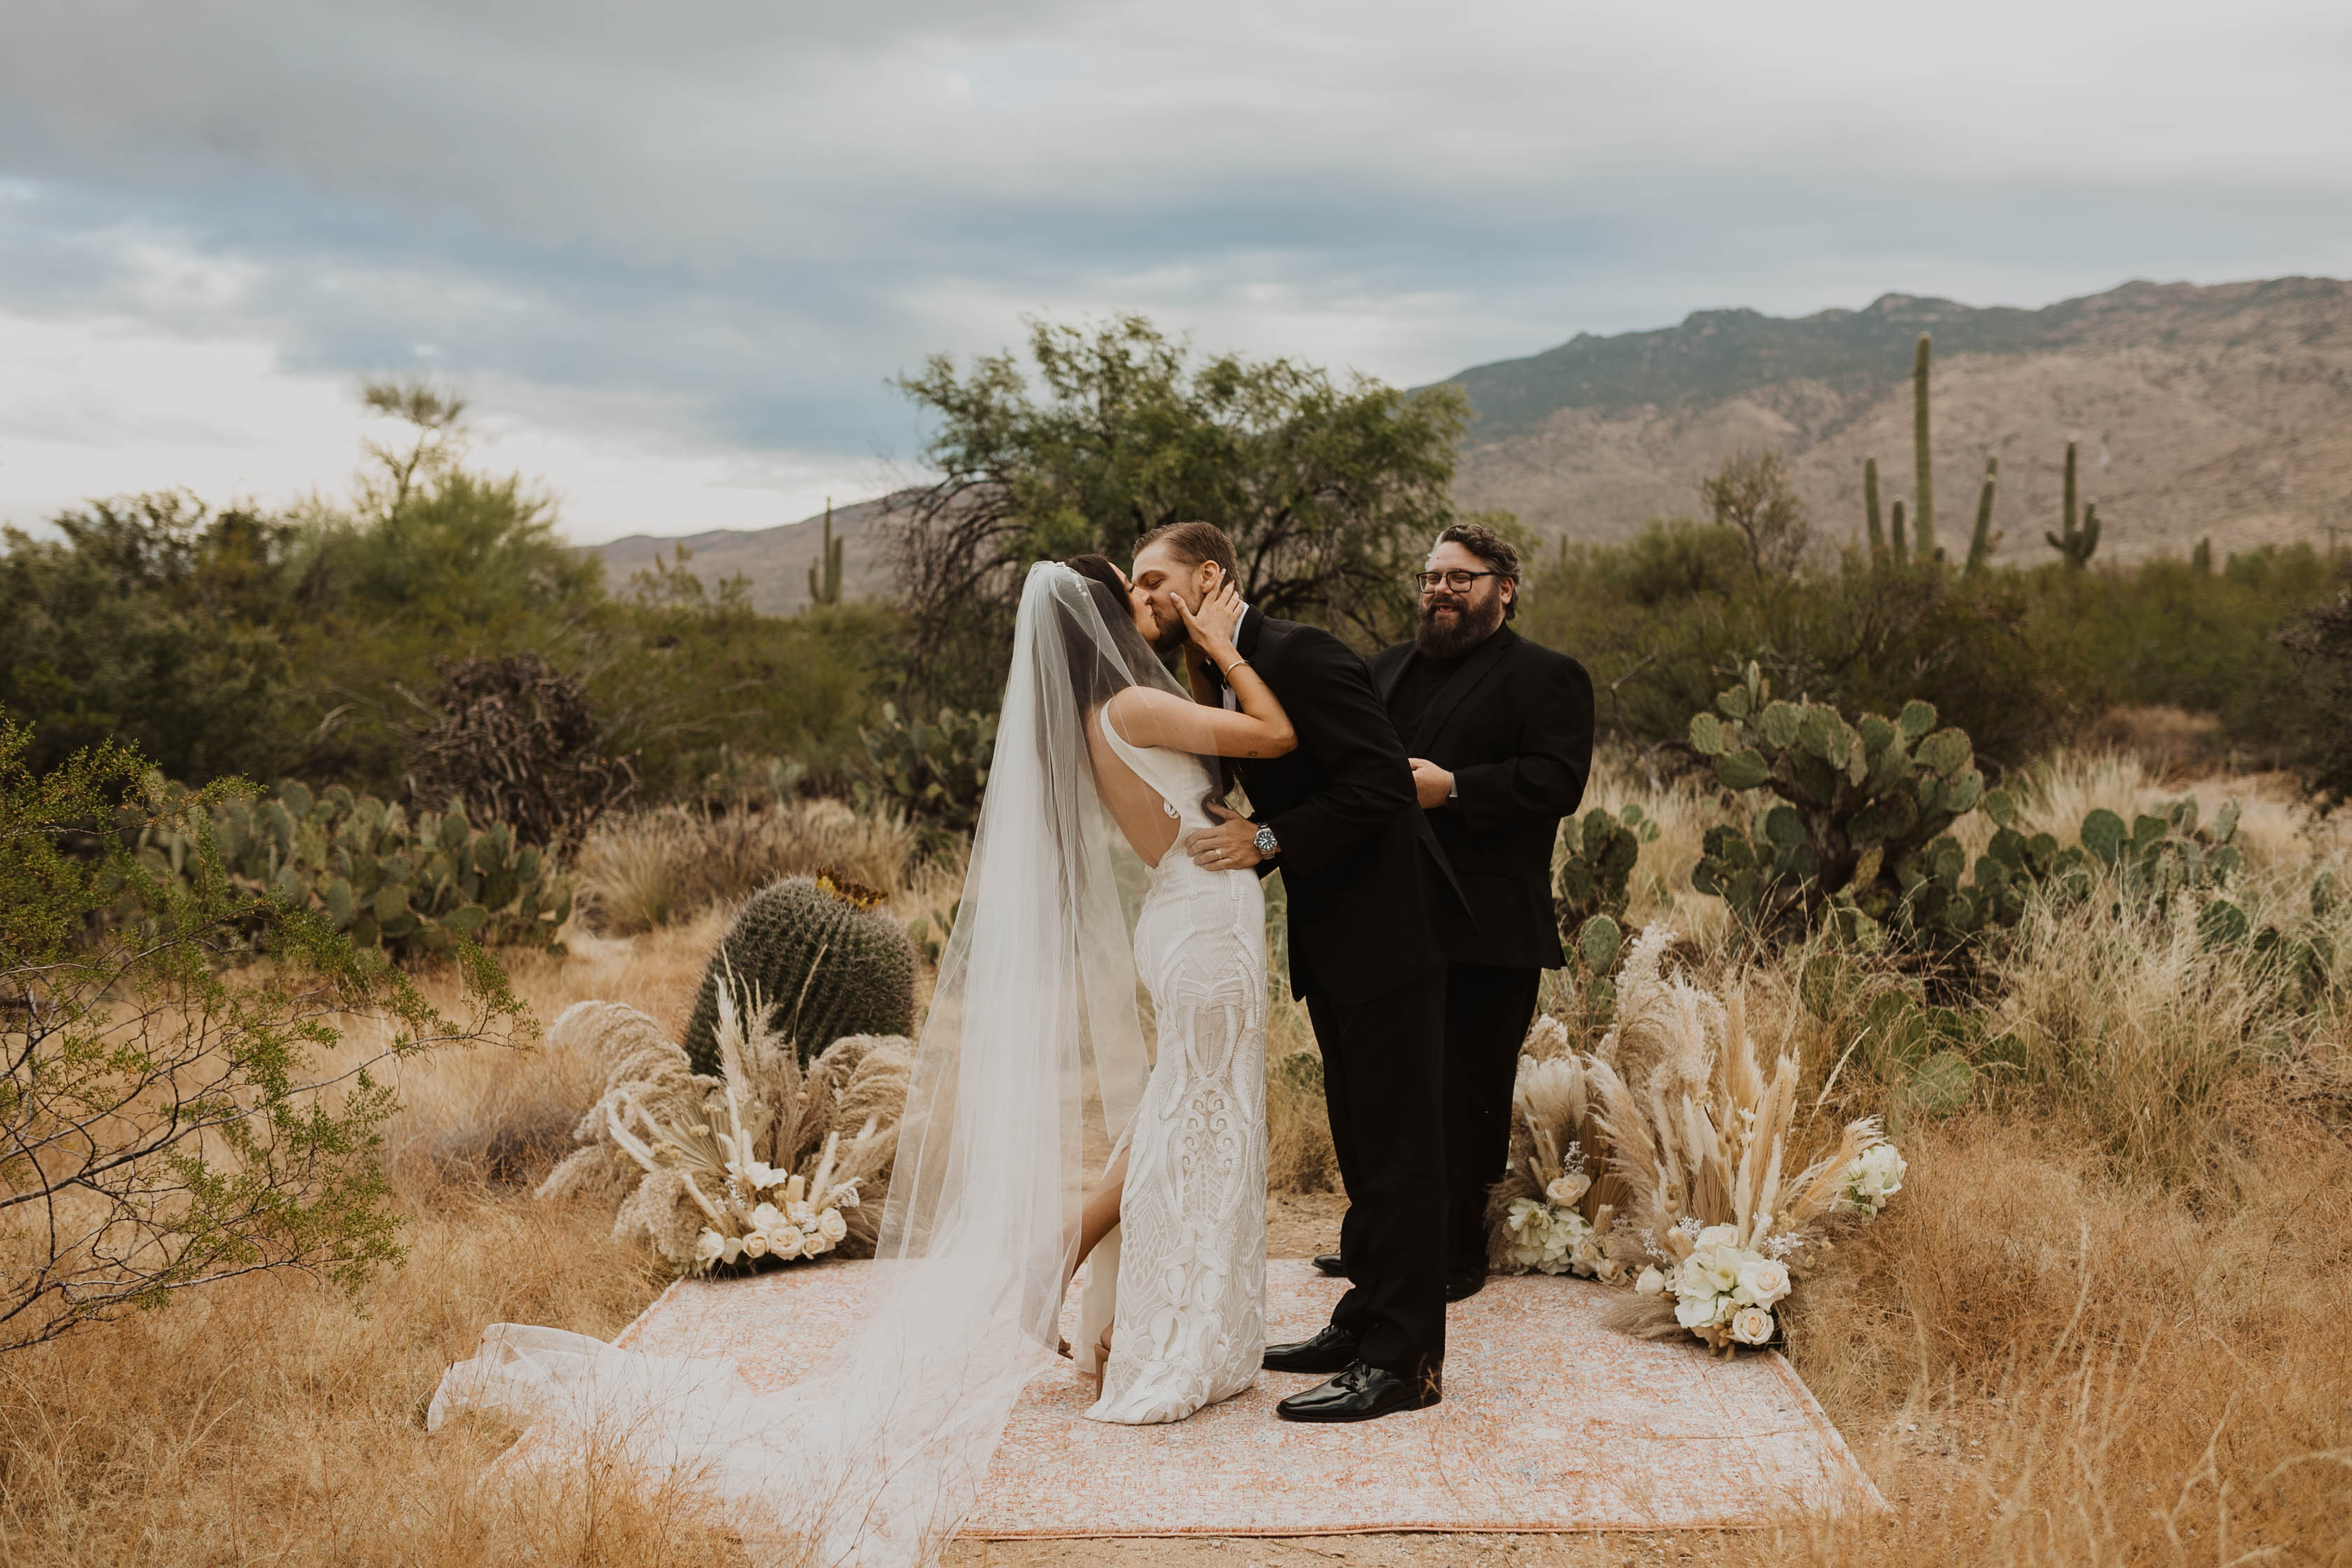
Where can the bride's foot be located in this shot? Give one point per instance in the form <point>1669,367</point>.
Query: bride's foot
<point>1102,1360</point>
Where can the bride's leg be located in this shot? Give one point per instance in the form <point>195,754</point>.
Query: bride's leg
<point>1095,1218</point>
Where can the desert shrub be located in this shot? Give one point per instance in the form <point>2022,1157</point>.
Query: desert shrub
<point>815,958</point>
<point>150,621</point>
<point>514,742</point>
<point>2322,641</point>
<point>167,1127</point>
<point>1663,620</point>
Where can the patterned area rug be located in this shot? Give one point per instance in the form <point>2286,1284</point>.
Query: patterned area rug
<point>1549,1423</point>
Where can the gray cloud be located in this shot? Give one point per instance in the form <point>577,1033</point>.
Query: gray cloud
<point>734,221</point>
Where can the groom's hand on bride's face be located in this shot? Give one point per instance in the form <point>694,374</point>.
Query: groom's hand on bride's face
<point>1228,847</point>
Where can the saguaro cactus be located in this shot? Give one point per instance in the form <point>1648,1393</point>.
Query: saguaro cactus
<point>1982,543</point>
<point>1896,536</point>
<point>825,576</point>
<point>1870,509</point>
<point>2074,543</point>
<point>1924,522</point>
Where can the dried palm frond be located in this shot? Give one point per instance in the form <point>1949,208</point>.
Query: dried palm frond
<point>765,1149</point>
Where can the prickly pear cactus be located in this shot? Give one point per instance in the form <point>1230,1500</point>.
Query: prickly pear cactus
<point>412,888</point>
<point>1858,823</point>
<point>935,773</point>
<point>822,955</point>
<point>1593,884</point>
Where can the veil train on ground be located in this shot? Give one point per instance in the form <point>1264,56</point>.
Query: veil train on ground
<point>1028,1070</point>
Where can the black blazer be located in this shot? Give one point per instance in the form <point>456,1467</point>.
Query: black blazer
<point>1356,856</point>
<point>1514,728</point>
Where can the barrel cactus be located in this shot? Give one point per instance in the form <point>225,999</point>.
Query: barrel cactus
<point>822,955</point>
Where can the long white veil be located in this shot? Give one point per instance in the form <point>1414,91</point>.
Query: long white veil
<point>1030,1065</point>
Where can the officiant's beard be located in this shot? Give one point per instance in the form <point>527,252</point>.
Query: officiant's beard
<point>1451,637</point>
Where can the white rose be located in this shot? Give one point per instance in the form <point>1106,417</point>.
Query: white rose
<point>1566,1189</point>
<point>788,1242</point>
<point>1716,1270</point>
<point>1751,1326</point>
<point>1763,1281</point>
<point>1718,1236</point>
<point>831,1227</point>
<point>707,1246</point>
<point>731,1250</point>
<point>1651,1283</point>
<point>1695,1313</point>
<point>766,1218</point>
<point>1609,1271</point>
<point>755,1245</point>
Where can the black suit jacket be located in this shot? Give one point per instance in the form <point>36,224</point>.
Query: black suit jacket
<point>1356,856</point>
<point>1514,728</point>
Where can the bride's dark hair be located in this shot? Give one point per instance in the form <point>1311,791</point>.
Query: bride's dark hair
<point>1096,683</point>
<point>1093,677</point>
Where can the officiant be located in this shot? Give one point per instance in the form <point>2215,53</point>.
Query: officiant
<point>1499,731</point>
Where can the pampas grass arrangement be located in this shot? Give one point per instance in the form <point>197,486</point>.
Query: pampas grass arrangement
<point>1668,1149</point>
<point>765,1161</point>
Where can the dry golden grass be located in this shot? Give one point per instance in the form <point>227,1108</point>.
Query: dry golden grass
<point>647,868</point>
<point>2101,1325</point>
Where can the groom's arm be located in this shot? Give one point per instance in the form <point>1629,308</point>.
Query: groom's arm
<point>1340,722</point>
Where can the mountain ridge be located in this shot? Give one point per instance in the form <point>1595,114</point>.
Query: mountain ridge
<point>2219,411</point>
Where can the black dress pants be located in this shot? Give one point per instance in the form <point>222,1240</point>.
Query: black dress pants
<point>1487,1011</point>
<point>1383,1084</point>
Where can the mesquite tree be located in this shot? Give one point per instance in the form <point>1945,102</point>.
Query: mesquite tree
<point>167,1122</point>
<point>1331,492</point>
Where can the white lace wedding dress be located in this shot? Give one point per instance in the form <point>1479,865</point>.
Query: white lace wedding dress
<point>1183,1277</point>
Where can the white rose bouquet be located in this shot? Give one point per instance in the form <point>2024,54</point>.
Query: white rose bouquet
<point>1550,1234</point>
<point>1723,1292</point>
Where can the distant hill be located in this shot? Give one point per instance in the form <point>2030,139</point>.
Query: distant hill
<point>777,560</point>
<point>2222,411</point>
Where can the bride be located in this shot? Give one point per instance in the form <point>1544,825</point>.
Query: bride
<point>1035,1133</point>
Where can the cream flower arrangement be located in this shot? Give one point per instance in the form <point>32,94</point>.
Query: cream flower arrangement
<point>1666,1160</point>
<point>764,1165</point>
<point>1723,1196</point>
<point>1548,1215</point>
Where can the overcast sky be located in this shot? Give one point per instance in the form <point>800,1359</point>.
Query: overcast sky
<point>673,253</point>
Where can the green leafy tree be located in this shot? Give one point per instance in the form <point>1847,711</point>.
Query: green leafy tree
<point>1330,491</point>
<point>166,1124</point>
<point>152,620</point>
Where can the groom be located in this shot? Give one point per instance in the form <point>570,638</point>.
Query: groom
<point>1338,818</point>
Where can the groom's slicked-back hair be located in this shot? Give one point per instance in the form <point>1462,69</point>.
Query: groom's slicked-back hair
<point>1194,542</point>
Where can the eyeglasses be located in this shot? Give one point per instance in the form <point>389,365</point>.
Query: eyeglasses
<point>1430,582</point>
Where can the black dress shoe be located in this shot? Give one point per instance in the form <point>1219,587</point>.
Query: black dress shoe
<point>1362,1393</point>
<point>1333,1349</point>
<point>1462,1286</point>
<point>1330,1263</point>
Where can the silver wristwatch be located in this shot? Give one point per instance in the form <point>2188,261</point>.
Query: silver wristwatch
<point>1267,847</point>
